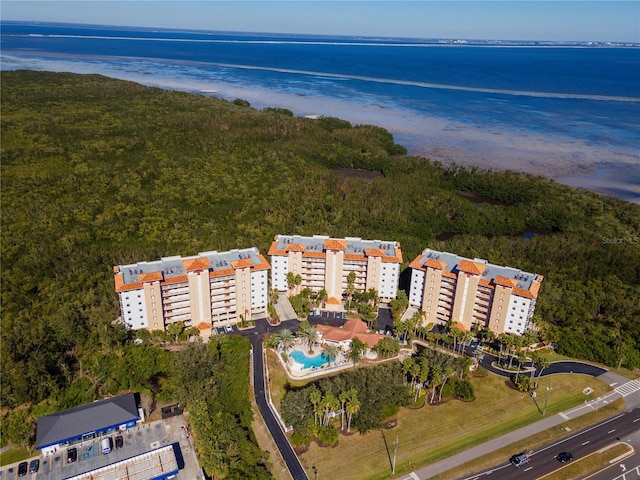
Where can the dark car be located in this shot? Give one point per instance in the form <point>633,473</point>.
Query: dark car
<point>519,460</point>
<point>564,457</point>
<point>34,466</point>
<point>22,469</point>
<point>119,441</point>
<point>72,455</point>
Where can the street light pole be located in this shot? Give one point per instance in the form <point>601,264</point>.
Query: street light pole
<point>546,399</point>
<point>395,454</point>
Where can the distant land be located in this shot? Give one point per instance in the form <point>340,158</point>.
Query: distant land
<point>358,38</point>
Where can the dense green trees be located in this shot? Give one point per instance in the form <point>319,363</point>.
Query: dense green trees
<point>365,395</point>
<point>98,172</point>
<point>206,379</point>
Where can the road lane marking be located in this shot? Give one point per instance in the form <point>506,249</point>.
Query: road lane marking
<point>636,420</point>
<point>527,469</point>
<point>611,431</point>
<point>585,443</point>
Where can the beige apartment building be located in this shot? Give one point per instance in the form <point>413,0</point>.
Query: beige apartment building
<point>472,292</point>
<point>325,263</point>
<point>211,289</point>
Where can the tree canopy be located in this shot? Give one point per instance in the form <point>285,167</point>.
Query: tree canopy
<point>98,172</point>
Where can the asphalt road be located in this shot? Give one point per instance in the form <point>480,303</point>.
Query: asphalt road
<point>581,444</point>
<point>290,457</point>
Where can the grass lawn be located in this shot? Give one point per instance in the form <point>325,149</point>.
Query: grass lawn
<point>15,454</point>
<point>534,442</point>
<point>436,432</point>
<point>591,464</point>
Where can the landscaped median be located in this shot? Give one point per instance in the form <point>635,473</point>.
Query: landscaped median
<point>593,463</point>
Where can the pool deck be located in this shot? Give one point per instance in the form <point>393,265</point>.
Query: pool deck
<point>296,370</point>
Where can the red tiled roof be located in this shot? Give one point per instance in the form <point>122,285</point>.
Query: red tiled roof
<point>447,273</point>
<point>505,281</point>
<point>150,277</point>
<point>198,263</point>
<point>437,264</point>
<point>295,247</point>
<point>354,256</point>
<point>333,301</point>
<point>471,267</point>
<point>123,287</point>
<point>244,263</point>
<point>221,273</point>
<point>374,252</point>
<point>369,339</point>
<point>355,325</point>
<point>203,326</point>
<point>335,244</point>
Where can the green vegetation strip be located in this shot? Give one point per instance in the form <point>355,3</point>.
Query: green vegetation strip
<point>534,442</point>
<point>593,463</point>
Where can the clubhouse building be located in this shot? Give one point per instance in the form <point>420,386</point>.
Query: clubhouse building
<point>325,263</point>
<point>472,292</point>
<point>211,289</point>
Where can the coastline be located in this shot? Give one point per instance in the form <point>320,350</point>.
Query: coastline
<point>563,159</point>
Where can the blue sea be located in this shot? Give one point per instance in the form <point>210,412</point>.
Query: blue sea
<point>569,112</point>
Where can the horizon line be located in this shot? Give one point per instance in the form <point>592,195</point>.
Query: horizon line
<point>594,43</point>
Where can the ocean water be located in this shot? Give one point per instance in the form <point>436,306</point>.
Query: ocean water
<point>571,113</point>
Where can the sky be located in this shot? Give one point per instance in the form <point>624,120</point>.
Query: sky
<point>585,20</point>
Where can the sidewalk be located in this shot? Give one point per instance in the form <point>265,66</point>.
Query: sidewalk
<point>284,308</point>
<point>631,400</point>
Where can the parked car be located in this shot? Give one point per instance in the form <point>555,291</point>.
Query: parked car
<point>564,457</point>
<point>72,455</point>
<point>34,466</point>
<point>119,441</point>
<point>22,469</point>
<point>519,460</point>
<point>228,328</point>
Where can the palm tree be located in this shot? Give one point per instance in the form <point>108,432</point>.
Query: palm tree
<point>322,297</point>
<point>423,375</point>
<point>407,366</point>
<point>446,374</point>
<point>287,338</point>
<point>522,358</point>
<point>310,337</point>
<point>535,356</point>
<point>315,397</point>
<point>330,404</point>
<point>351,289</point>
<point>331,351</point>
<point>343,397</point>
<point>436,372</point>
<point>355,352</point>
<point>353,407</point>
<point>542,363</point>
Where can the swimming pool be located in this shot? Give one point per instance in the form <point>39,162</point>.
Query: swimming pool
<point>308,362</point>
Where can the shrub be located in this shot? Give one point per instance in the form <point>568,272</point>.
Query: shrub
<point>464,390</point>
<point>299,439</point>
<point>328,436</point>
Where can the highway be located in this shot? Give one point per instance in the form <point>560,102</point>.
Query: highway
<point>581,444</point>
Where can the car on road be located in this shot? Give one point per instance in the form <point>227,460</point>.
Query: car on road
<point>564,457</point>
<point>119,441</point>
<point>22,469</point>
<point>34,466</point>
<point>519,459</point>
<point>228,328</point>
<point>72,455</point>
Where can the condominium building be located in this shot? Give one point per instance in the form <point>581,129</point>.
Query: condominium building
<point>474,292</point>
<point>325,263</point>
<point>207,290</point>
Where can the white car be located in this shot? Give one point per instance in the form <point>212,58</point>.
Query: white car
<point>228,328</point>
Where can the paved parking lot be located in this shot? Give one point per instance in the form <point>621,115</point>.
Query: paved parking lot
<point>136,441</point>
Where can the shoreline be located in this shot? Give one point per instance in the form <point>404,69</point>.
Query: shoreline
<point>566,160</point>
